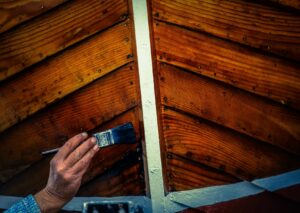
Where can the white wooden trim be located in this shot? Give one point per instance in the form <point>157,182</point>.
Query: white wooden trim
<point>153,155</point>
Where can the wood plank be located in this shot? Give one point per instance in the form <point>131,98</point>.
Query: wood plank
<point>122,180</point>
<point>15,12</point>
<point>258,73</point>
<point>184,174</point>
<point>295,4</point>
<point>56,30</point>
<point>110,155</point>
<point>223,149</point>
<point>248,23</point>
<point>81,111</point>
<point>230,107</point>
<point>63,74</point>
<point>34,178</point>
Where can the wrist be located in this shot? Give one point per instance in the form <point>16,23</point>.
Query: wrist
<point>49,202</point>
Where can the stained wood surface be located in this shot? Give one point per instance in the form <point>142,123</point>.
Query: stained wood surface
<point>230,107</point>
<point>295,4</point>
<point>34,178</point>
<point>56,30</point>
<point>84,110</point>
<point>184,174</point>
<point>29,181</point>
<point>16,12</point>
<point>233,64</point>
<point>222,149</point>
<point>123,179</point>
<point>64,73</point>
<point>244,22</point>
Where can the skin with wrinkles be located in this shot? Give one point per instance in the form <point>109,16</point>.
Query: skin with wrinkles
<point>66,171</point>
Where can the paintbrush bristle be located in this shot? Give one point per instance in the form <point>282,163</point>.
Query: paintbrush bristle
<point>123,134</point>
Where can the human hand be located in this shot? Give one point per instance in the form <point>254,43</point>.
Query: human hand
<point>66,170</point>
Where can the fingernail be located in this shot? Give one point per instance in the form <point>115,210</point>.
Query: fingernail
<point>84,134</point>
<point>93,140</point>
<point>96,147</point>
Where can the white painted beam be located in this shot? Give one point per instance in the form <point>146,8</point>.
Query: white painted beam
<point>153,155</point>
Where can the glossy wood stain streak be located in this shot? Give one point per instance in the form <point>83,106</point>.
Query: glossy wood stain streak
<point>223,149</point>
<point>90,83</point>
<point>124,179</point>
<point>252,24</point>
<point>239,66</point>
<point>184,174</point>
<point>230,107</point>
<point>56,30</point>
<point>227,75</point>
<point>15,12</point>
<point>83,110</point>
<point>34,178</point>
<point>63,74</point>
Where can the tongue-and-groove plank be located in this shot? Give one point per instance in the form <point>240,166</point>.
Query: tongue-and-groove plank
<point>56,30</point>
<point>248,23</point>
<point>258,73</point>
<point>34,178</point>
<point>222,149</point>
<point>61,75</point>
<point>124,179</point>
<point>185,174</point>
<point>295,4</point>
<point>15,12</point>
<point>83,110</point>
<point>230,107</point>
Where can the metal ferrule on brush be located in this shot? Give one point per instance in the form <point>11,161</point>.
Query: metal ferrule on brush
<point>104,138</point>
<point>123,134</point>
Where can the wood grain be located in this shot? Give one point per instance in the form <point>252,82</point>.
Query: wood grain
<point>184,174</point>
<point>81,111</point>
<point>16,12</point>
<point>252,24</point>
<point>106,157</point>
<point>295,4</point>
<point>122,180</point>
<point>230,107</point>
<point>34,178</point>
<point>63,74</point>
<point>258,73</point>
<point>223,149</point>
<point>56,30</point>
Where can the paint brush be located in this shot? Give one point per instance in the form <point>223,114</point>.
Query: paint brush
<point>123,134</point>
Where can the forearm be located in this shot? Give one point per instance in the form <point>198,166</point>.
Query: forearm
<point>66,171</point>
<point>48,202</point>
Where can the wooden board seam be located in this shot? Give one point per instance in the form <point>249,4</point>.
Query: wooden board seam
<point>62,98</point>
<point>204,166</point>
<point>128,160</point>
<point>228,129</point>
<point>281,104</point>
<point>250,48</point>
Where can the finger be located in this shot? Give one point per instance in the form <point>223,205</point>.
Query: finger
<point>82,165</point>
<point>80,151</point>
<point>70,145</point>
